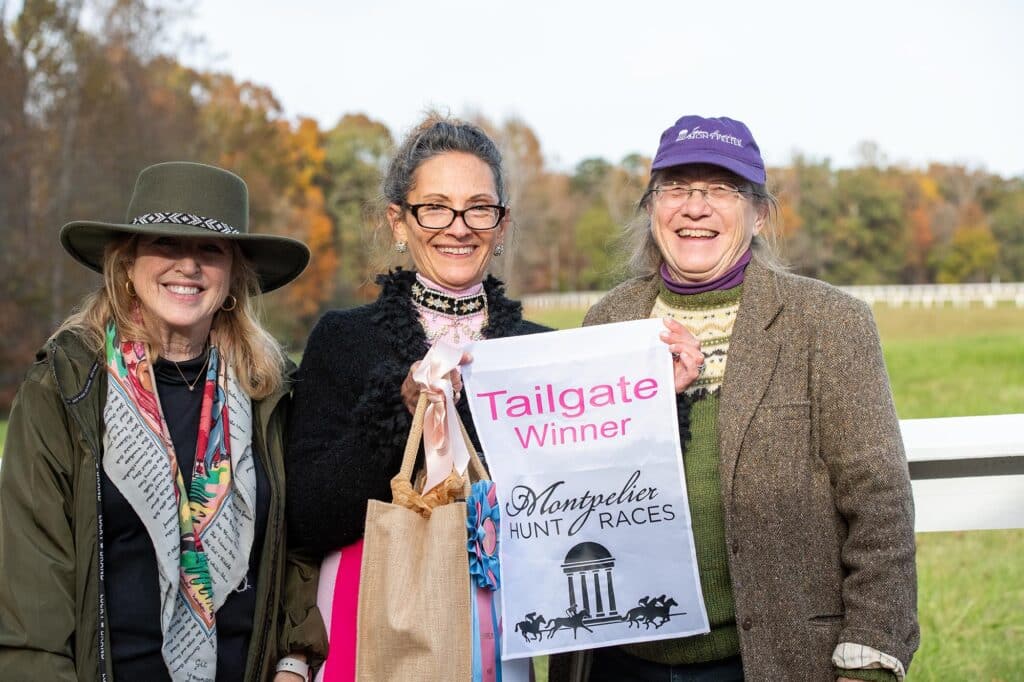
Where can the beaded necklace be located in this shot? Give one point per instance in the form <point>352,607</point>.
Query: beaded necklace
<point>460,319</point>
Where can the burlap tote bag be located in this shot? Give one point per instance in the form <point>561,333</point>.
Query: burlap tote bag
<point>414,609</point>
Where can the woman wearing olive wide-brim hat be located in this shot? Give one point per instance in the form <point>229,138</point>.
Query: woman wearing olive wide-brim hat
<point>142,533</point>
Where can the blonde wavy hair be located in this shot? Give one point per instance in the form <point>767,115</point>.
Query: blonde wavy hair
<point>255,355</point>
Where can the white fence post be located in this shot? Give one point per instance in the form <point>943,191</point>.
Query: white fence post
<point>967,472</point>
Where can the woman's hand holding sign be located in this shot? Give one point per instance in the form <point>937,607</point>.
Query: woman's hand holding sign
<point>687,359</point>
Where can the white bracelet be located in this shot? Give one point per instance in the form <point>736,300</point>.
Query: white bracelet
<point>293,665</point>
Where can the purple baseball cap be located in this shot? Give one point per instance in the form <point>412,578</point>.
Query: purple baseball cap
<point>721,141</point>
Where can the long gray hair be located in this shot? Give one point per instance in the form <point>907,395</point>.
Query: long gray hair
<point>643,257</point>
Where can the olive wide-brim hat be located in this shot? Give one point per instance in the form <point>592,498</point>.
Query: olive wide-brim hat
<point>183,199</point>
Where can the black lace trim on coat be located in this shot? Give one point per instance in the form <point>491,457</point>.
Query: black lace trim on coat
<point>381,407</point>
<point>683,404</point>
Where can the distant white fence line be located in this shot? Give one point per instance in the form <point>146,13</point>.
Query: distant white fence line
<point>928,295</point>
<point>895,295</point>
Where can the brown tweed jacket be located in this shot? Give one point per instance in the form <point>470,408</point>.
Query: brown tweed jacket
<point>819,518</point>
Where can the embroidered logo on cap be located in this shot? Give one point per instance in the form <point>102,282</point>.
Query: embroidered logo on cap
<point>698,134</point>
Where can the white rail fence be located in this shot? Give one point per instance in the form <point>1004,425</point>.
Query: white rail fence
<point>967,472</point>
<point>895,295</point>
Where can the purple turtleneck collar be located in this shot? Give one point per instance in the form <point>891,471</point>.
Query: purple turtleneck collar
<point>732,278</point>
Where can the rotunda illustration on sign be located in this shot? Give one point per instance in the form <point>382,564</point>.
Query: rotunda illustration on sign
<point>588,569</point>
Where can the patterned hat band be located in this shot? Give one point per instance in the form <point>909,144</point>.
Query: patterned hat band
<point>185,219</point>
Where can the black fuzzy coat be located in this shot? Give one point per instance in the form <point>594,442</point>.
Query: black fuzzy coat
<point>348,424</point>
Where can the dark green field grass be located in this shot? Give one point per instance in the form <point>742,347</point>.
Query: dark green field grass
<point>952,362</point>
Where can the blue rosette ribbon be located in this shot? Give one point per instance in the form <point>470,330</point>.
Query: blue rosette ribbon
<point>485,579</point>
<point>482,519</point>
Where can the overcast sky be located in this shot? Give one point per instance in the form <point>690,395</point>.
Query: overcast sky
<point>939,81</point>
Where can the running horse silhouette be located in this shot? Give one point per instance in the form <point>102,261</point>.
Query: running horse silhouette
<point>650,612</point>
<point>531,626</point>
<point>574,621</point>
<point>659,612</point>
<point>636,614</point>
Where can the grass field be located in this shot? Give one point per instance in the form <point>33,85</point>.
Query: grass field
<point>946,362</point>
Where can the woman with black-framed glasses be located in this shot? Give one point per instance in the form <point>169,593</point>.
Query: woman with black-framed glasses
<point>446,209</point>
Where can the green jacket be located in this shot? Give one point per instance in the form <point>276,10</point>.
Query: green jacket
<point>50,626</point>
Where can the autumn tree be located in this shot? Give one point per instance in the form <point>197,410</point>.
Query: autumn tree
<point>357,150</point>
<point>971,254</point>
<point>73,131</point>
<point>922,201</point>
<point>242,128</point>
<point>607,195</point>
<point>536,246</point>
<point>808,210</point>
<point>1006,220</point>
<point>303,215</point>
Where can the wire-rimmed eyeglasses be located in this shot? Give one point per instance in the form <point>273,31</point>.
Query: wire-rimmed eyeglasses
<point>718,195</point>
<point>479,218</point>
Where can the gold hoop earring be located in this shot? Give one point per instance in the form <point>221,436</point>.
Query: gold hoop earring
<point>130,288</point>
<point>234,304</point>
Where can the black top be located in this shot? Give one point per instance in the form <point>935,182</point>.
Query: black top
<point>348,424</point>
<point>132,584</point>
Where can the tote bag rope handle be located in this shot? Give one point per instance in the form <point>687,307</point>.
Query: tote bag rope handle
<point>477,470</point>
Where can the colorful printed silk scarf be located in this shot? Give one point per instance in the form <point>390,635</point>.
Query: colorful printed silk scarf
<point>202,536</point>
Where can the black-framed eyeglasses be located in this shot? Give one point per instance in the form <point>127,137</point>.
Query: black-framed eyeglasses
<point>718,195</point>
<point>479,218</point>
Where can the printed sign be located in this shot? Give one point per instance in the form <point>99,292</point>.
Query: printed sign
<point>581,435</point>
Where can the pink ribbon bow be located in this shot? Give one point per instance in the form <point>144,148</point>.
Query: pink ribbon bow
<point>443,444</point>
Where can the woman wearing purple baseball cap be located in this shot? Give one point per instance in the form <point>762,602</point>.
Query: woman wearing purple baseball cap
<point>797,480</point>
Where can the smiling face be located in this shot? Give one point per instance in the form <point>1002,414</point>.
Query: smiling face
<point>698,242</point>
<point>455,257</point>
<point>180,284</point>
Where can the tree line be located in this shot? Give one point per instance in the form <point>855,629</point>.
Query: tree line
<point>87,99</point>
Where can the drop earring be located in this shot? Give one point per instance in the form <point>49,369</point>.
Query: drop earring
<point>401,247</point>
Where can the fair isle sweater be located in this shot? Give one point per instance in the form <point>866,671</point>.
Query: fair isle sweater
<point>709,316</point>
